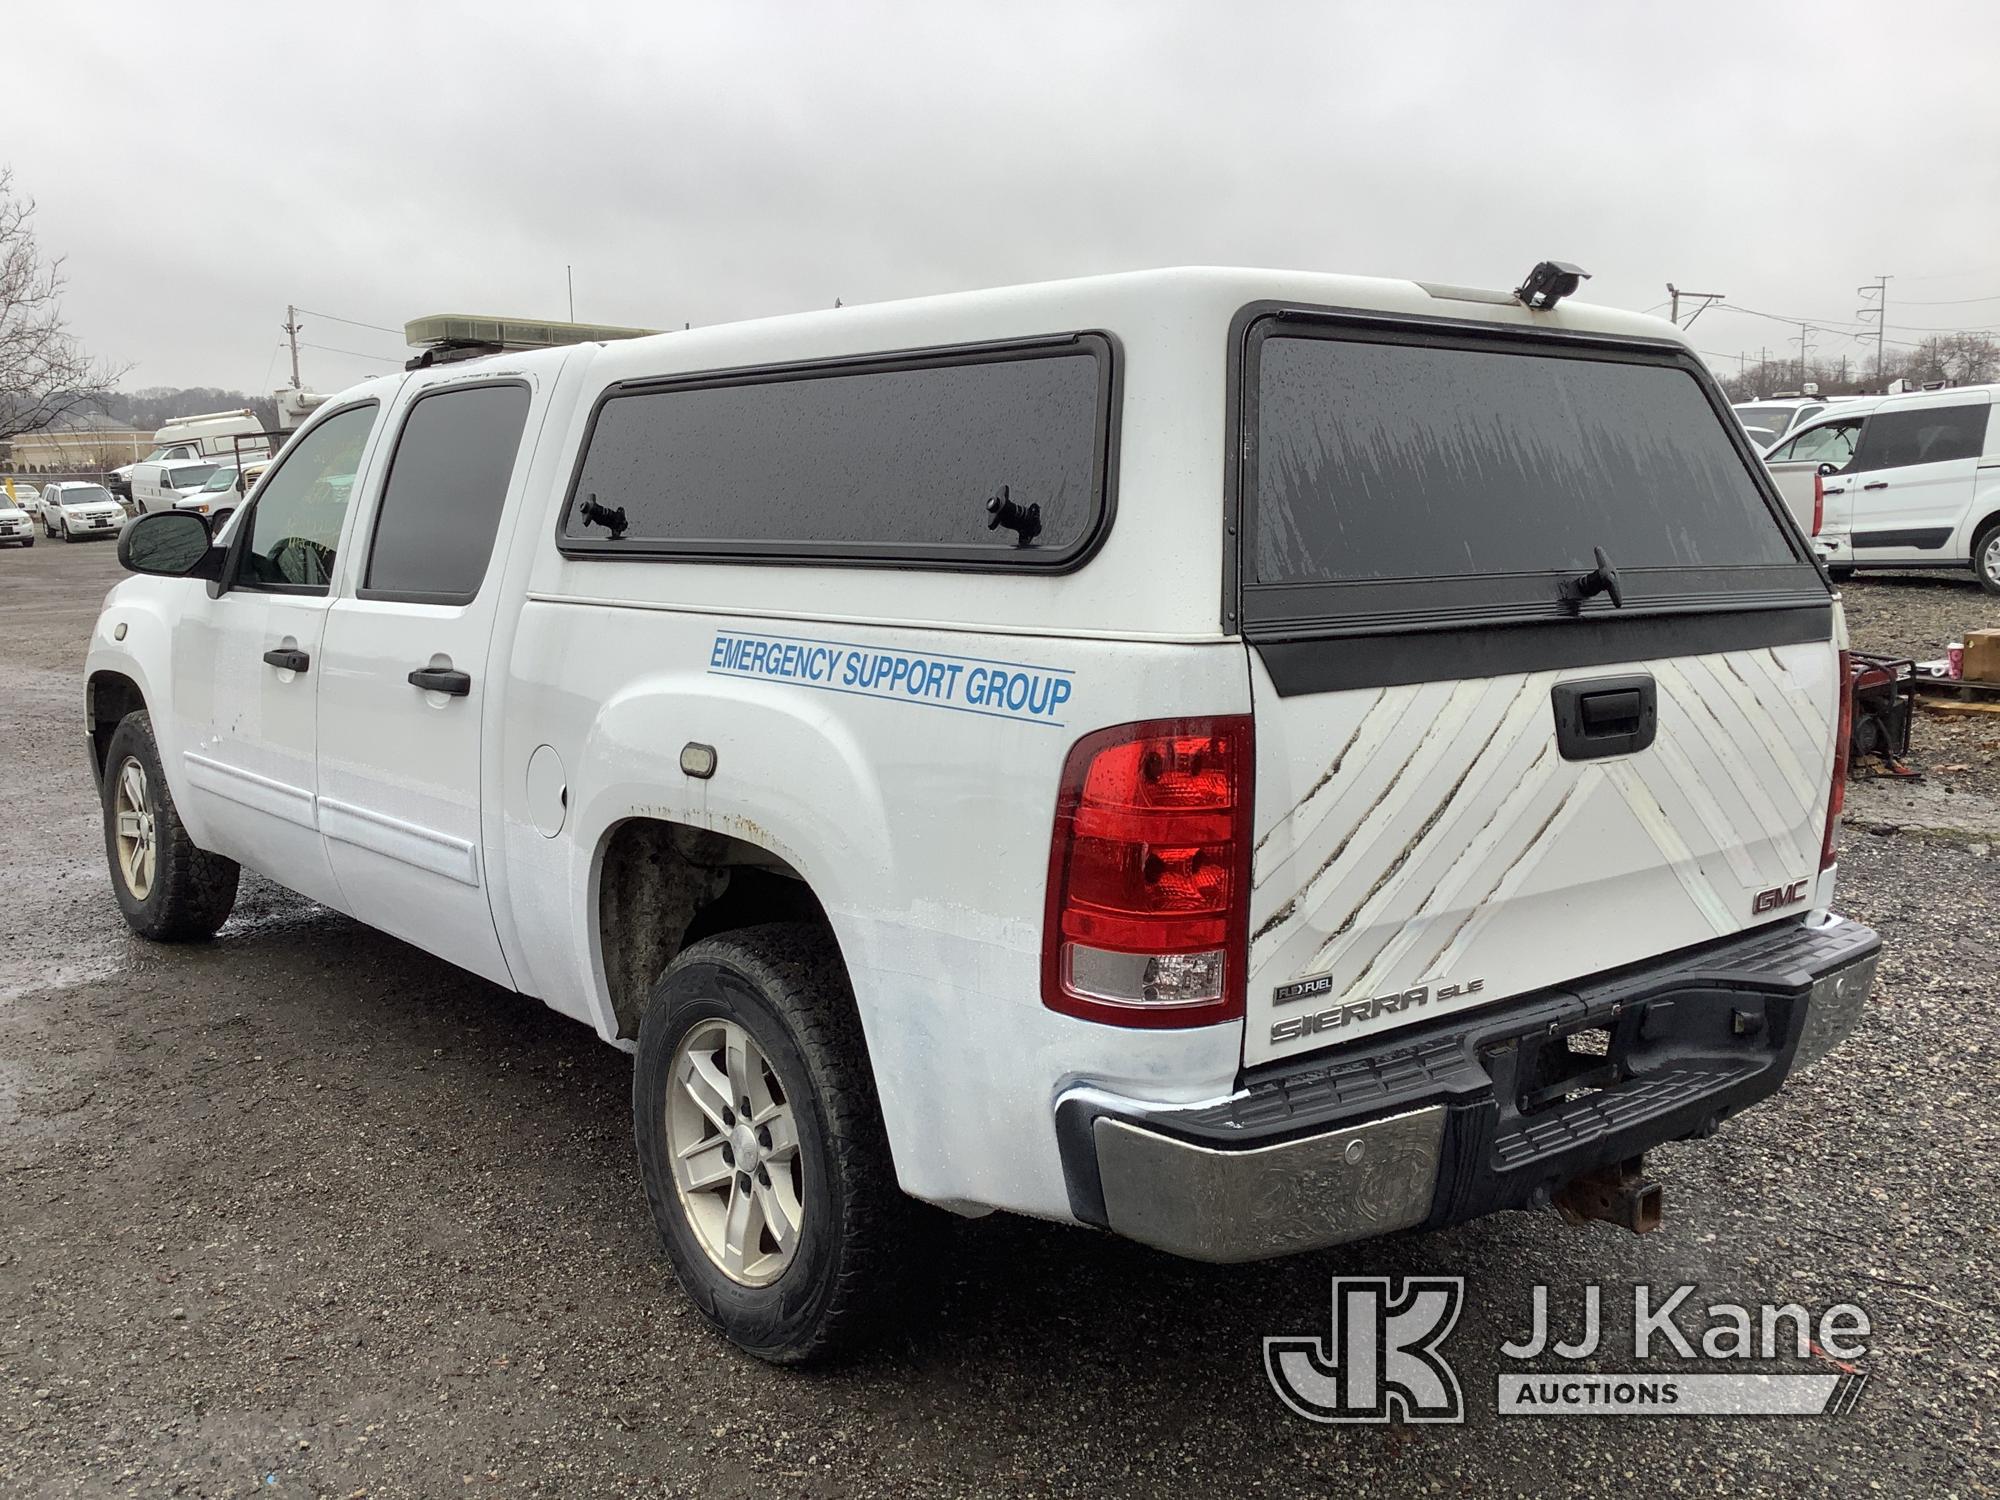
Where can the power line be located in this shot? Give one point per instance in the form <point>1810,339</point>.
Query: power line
<point>276,349</point>
<point>1948,301</point>
<point>1952,275</point>
<point>380,359</point>
<point>351,322</point>
<point>1841,325</point>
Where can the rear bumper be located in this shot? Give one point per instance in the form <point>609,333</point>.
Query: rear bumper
<point>1483,1111</point>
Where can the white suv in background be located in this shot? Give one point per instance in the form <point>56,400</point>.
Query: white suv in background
<point>72,510</point>
<point>17,527</point>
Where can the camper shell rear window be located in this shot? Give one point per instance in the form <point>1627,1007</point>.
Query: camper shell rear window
<point>877,461</point>
<point>1405,474</point>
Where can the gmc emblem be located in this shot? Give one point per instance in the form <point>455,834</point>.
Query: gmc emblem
<point>1777,896</point>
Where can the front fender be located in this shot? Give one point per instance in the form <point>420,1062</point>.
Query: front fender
<point>133,638</point>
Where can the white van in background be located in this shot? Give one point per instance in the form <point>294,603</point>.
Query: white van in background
<point>162,486</point>
<point>1906,481</point>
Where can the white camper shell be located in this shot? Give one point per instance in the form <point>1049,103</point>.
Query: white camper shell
<point>1243,759</point>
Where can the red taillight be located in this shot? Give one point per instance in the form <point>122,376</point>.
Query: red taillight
<point>1843,737</point>
<point>1819,501</point>
<point>1149,875</point>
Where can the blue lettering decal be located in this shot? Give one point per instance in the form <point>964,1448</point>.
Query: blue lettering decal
<point>961,684</point>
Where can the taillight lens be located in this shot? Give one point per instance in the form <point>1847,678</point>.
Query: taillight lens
<point>1149,875</point>
<point>1843,737</point>
<point>1819,501</point>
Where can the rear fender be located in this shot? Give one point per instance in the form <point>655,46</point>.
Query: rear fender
<point>788,779</point>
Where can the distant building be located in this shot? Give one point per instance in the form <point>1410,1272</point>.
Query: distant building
<point>78,442</point>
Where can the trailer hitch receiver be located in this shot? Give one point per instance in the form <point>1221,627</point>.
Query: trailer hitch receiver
<point>1619,1194</point>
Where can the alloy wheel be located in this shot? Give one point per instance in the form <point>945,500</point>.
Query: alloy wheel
<point>734,1144</point>
<point>132,809</point>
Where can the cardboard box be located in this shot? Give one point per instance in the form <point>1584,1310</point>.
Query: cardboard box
<point>1982,656</point>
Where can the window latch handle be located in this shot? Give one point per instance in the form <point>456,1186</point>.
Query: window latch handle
<point>442,680</point>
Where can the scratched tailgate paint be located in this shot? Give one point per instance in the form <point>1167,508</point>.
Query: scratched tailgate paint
<point>1425,849</point>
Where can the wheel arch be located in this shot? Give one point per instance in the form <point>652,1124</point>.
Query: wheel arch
<point>659,885</point>
<point>109,695</point>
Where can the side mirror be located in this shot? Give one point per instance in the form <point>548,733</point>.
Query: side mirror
<point>1826,470</point>
<point>169,544</point>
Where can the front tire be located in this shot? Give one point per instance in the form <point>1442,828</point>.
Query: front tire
<point>761,1144</point>
<point>1840,575</point>
<point>1986,559</point>
<point>67,534</point>
<point>169,890</point>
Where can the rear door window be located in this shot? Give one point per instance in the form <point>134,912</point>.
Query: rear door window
<point>441,502</point>
<point>1927,435</point>
<point>1497,466</point>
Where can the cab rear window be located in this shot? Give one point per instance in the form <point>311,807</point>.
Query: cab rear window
<point>1392,460</point>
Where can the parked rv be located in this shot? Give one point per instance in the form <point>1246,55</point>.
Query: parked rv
<point>212,435</point>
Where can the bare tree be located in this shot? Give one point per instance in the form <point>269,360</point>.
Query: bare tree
<point>44,372</point>
<point>1961,358</point>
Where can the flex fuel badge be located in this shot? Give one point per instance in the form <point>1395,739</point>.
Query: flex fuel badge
<point>930,679</point>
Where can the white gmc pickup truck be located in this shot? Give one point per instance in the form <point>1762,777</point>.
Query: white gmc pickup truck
<point>1245,760</point>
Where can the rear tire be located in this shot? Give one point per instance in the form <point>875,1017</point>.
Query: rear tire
<point>169,890</point>
<point>1840,575</point>
<point>1986,559</point>
<point>781,991</point>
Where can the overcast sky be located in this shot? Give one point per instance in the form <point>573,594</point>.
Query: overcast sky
<point>203,165</point>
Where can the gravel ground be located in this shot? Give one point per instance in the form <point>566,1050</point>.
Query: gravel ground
<point>306,1211</point>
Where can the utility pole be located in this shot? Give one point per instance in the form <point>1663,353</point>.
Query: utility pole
<point>292,326</point>
<point>1877,292</point>
<point>1806,330</point>
<point>1707,300</point>
<point>570,273</point>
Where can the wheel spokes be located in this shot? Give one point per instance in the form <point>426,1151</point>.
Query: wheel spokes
<point>784,1134</point>
<point>739,1228</point>
<point>704,1083</point>
<point>705,1165</point>
<point>780,1211</point>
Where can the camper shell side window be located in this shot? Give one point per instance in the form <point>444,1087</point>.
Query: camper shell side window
<point>987,457</point>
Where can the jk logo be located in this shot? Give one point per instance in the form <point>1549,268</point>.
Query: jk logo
<point>1381,1364</point>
